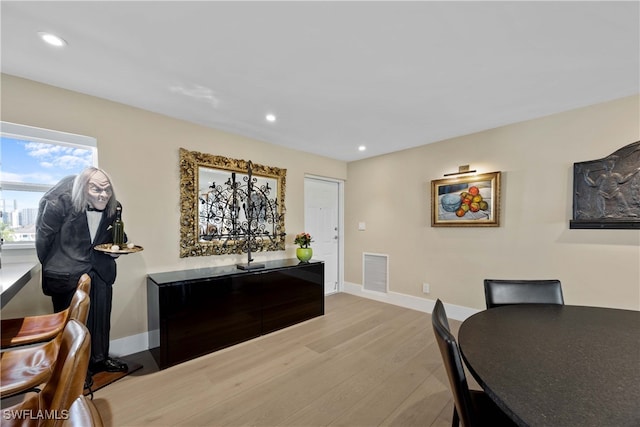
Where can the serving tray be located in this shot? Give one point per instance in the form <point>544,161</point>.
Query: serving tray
<point>106,247</point>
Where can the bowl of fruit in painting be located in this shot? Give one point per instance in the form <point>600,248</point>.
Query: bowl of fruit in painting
<point>450,202</point>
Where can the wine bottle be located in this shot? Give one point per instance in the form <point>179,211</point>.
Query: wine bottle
<point>118,228</point>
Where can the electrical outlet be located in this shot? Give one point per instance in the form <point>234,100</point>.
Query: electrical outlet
<point>426,288</point>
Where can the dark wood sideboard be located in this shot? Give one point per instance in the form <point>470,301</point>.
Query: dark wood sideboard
<point>195,312</point>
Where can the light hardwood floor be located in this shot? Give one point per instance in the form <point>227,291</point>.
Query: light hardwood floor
<point>364,363</point>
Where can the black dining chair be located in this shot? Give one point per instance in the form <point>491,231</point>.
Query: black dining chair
<point>508,292</point>
<point>471,407</point>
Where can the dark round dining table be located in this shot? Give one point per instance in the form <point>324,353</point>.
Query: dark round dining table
<point>553,365</point>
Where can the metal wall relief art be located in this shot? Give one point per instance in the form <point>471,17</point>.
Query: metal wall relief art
<point>230,206</point>
<point>606,192</point>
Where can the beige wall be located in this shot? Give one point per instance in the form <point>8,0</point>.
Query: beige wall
<point>391,194</point>
<point>139,149</point>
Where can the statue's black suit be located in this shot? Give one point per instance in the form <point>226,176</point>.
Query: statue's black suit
<point>65,249</point>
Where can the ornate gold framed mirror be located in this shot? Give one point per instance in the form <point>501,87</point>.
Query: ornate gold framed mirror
<point>229,206</point>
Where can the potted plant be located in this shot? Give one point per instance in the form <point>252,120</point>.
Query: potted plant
<point>304,252</point>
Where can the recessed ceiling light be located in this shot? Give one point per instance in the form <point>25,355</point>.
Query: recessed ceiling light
<point>362,148</point>
<point>52,39</point>
<point>270,117</point>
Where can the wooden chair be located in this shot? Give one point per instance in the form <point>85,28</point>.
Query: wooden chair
<point>83,413</point>
<point>24,369</point>
<point>35,329</point>
<point>79,308</point>
<point>509,292</point>
<point>64,386</point>
<point>471,407</point>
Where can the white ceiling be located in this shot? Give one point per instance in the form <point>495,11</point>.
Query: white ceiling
<point>388,75</point>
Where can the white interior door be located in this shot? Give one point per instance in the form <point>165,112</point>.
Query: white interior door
<point>322,221</point>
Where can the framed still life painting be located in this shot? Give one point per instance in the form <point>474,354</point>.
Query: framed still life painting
<point>466,201</point>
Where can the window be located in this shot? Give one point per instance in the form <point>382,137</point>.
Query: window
<point>32,160</point>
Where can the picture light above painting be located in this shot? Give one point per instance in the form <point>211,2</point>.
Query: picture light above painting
<point>606,192</point>
<point>229,206</point>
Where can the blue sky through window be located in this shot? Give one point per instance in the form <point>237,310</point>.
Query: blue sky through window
<point>23,161</point>
<point>41,163</point>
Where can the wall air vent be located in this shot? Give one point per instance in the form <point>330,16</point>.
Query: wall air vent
<point>375,275</point>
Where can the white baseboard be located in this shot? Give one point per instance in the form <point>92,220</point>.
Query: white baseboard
<point>456,312</point>
<point>140,342</point>
<point>129,345</point>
